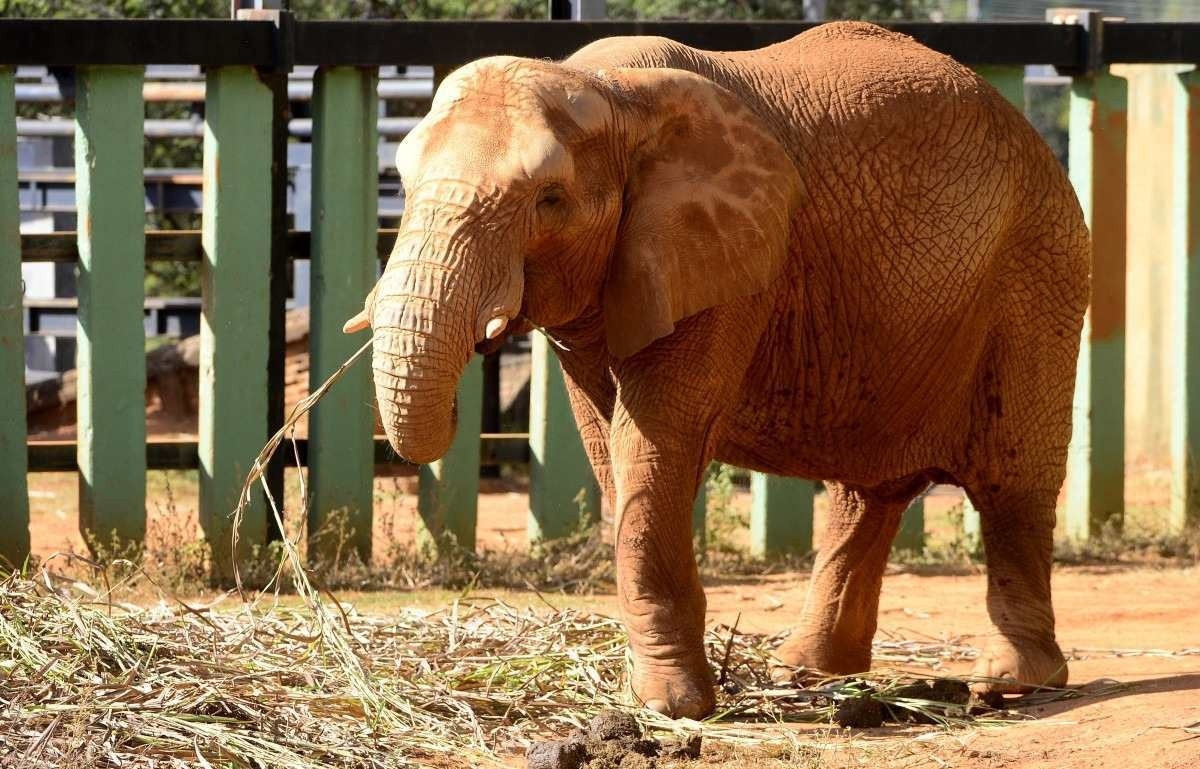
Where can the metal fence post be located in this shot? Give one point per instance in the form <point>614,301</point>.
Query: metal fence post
<point>344,257</point>
<point>1184,510</point>
<point>14,490</point>
<point>111,404</point>
<point>1097,163</point>
<point>781,514</point>
<point>235,316</point>
<point>448,500</point>
<point>561,483</point>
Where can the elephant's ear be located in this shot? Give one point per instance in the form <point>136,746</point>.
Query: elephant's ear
<point>709,202</point>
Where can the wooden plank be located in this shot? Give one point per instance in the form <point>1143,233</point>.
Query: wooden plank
<point>344,222</point>
<point>448,497</point>
<point>781,515</point>
<point>1009,81</point>
<point>111,362</point>
<point>14,512</point>
<point>1097,161</point>
<point>235,287</point>
<point>1184,508</point>
<point>911,535</point>
<point>562,486</point>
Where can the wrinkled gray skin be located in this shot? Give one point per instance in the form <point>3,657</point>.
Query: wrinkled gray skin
<point>840,257</point>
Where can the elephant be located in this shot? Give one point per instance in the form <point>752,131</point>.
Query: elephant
<point>843,257</point>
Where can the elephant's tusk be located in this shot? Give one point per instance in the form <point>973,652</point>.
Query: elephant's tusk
<point>357,323</point>
<point>495,326</point>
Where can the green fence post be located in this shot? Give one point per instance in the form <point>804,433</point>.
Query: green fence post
<point>1096,461</point>
<point>1009,81</point>
<point>559,471</point>
<point>236,278</point>
<point>781,514</point>
<point>14,510</point>
<point>111,340</point>
<point>911,535</point>
<point>448,499</point>
<point>344,230</point>
<point>1184,509</point>
<point>700,515</point>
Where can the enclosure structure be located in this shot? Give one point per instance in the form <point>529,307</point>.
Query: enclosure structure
<point>244,247</point>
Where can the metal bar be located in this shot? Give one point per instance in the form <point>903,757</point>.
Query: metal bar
<point>781,515</point>
<point>1097,161</point>
<point>562,487</point>
<point>454,42</point>
<point>164,454</point>
<point>69,42</point>
<point>184,128</point>
<point>235,285</point>
<point>175,90</point>
<point>343,271</point>
<point>276,81</point>
<point>254,43</point>
<point>448,494</point>
<point>1152,43</point>
<point>1184,508</point>
<point>14,511</point>
<point>170,246</point>
<point>111,405</point>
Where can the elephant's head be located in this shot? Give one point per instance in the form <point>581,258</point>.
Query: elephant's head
<point>536,194</point>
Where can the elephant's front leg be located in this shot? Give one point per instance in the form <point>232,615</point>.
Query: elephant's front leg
<point>657,467</point>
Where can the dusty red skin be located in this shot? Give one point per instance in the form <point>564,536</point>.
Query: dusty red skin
<point>842,257</point>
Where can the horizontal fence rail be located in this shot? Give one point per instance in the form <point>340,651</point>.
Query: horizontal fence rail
<point>242,251</point>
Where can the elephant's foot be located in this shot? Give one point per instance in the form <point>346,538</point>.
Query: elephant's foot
<point>1019,665</point>
<point>679,687</point>
<point>804,658</point>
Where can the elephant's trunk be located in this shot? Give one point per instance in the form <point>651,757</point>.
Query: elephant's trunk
<point>422,342</point>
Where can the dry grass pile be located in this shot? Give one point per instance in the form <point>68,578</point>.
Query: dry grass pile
<point>86,681</point>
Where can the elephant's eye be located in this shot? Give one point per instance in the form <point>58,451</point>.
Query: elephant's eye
<point>551,197</point>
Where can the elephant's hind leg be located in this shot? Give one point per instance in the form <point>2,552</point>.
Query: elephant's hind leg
<point>842,607</point>
<point>1018,531</point>
<point>1021,425</point>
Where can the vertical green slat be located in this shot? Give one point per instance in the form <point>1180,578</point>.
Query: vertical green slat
<point>700,515</point>
<point>1096,461</point>
<point>911,535</point>
<point>235,277</point>
<point>14,511</point>
<point>781,514</point>
<point>559,470</point>
<point>1009,81</point>
<point>1184,509</point>
<point>111,336</point>
<point>448,501</point>
<point>344,224</point>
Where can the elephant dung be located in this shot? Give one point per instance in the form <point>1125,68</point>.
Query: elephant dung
<point>556,754</point>
<point>862,711</point>
<point>612,740</point>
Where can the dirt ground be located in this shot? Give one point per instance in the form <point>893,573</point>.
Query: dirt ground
<point>1135,625</point>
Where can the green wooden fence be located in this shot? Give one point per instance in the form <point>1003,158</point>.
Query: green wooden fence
<point>237,269</point>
